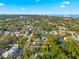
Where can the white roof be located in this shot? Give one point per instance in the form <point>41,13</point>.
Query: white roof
<point>7,53</point>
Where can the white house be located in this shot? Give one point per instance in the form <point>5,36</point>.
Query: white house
<point>12,51</point>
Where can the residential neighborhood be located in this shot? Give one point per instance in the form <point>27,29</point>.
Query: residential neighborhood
<point>39,37</point>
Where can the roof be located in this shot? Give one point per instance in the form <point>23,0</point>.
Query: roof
<point>7,53</point>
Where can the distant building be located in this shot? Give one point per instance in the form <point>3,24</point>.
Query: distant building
<point>67,19</point>
<point>8,19</point>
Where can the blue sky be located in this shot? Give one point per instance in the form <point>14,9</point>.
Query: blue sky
<point>39,6</point>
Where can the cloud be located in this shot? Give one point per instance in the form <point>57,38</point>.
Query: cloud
<point>62,6</point>
<point>37,1</point>
<point>2,4</point>
<point>66,2</point>
<point>23,8</point>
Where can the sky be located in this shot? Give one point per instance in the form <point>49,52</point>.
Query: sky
<point>39,6</point>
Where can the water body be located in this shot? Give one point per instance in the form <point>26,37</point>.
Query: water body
<point>65,15</point>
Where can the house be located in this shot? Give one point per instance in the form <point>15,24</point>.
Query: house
<point>34,43</point>
<point>44,39</point>
<point>43,32</point>
<point>1,32</point>
<point>8,19</point>
<point>21,17</point>
<point>53,32</point>
<point>29,32</point>
<point>67,38</point>
<point>62,28</point>
<point>12,51</point>
<point>60,40</point>
<point>7,32</point>
<point>1,20</point>
<point>39,35</point>
<point>17,33</point>
<point>67,19</point>
<point>38,56</point>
